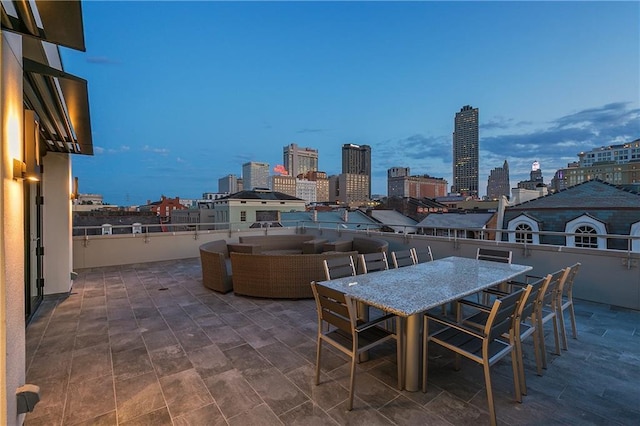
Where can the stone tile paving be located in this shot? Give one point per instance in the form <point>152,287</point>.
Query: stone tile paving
<point>147,344</point>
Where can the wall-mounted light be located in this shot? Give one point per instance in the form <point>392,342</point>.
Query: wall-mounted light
<point>32,167</point>
<point>19,169</point>
<point>74,190</point>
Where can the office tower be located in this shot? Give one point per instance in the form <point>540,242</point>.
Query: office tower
<point>401,184</point>
<point>299,160</point>
<point>535,178</point>
<point>465,152</point>
<point>498,183</point>
<point>285,184</point>
<point>255,175</point>
<point>349,188</point>
<point>356,160</point>
<point>229,184</point>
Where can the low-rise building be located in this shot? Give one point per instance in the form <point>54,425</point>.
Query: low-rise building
<point>245,208</point>
<point>588,211</point>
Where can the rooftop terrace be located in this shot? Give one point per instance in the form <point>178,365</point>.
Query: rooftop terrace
<point>148,344</point>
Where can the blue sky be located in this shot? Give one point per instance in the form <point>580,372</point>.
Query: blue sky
<point>183,93</point>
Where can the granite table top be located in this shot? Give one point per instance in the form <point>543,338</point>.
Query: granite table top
<point>414,289</point>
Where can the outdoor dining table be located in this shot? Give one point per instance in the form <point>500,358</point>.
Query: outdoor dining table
<point>412,290</point>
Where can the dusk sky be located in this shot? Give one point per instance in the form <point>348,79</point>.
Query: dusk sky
<point>183,93</point>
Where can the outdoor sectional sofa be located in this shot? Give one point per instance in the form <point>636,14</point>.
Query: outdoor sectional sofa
<point>278,266</point>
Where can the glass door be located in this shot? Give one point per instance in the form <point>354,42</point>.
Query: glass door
<point>34,251</point>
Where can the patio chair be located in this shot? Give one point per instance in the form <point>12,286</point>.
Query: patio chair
<point>524,324</point>
<point>483,345</point>
<point>565,301</point>
<point>493,255</point>
<point>403,258</point>
<point>347,334</point>
<point>503,256</point>
<point>372,262</point>
<point>338,267</point>
<point>547,311</point>
<point>422,255</point>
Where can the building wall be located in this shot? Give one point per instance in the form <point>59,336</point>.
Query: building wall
<point>285,184</point>
<point>306,190</point>
<point>352,188</point>
<point>416,187</point>
<point>616,174</point>
<point>57,223</point>
<point>12,250</point>
<point>255,175</point>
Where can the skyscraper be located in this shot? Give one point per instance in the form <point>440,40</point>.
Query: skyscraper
<point>465,152</point>
<point>498,183</point>
<point>255,175</point>
<point>298,160</point>
<point>229,184</point>
<point>356,159</point>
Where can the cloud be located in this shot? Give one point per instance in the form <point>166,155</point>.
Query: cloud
<point>98,150</point>
<point>306,130</point>
<point>572,133</point>
<point>102,60</point>
<point>554,144</point>
<point>497,123</point>
<point>180,160</point>
<point>163,151</point>
<point>122,148</point>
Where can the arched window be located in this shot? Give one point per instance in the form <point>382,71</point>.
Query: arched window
<point>586,237</point>
<point>524,233</point>
<point>635,231</point>
<point>586,229</point>
<point>524,230</point>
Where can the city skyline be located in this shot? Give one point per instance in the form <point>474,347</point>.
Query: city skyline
<point>174,111</point>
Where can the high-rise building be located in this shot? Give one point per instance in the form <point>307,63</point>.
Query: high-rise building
<point>298,160</point>
<point>229,184</point>
<point>535,178</point>
<point>401,184</point>
<point>356,160</point>
<point>466,152</point>
<point>349,188</point>
<point>612,154</point>
<point>255,175</point>
<point>498,183</point>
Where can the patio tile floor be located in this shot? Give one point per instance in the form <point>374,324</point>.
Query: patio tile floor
<point>147,344</point>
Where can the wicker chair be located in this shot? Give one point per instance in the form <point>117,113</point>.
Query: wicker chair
<point>216,266</point>
<point>278,276</point>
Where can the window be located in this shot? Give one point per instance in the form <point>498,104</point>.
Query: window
<point>524,229</point>
<point>635,231</point>
<point>583,232</point>
<point>585,237</point>
<point>243,216</point>
<point>523,233</point>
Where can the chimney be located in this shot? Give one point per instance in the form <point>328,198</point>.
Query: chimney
<point>345,215</point>
<point>314,215</point>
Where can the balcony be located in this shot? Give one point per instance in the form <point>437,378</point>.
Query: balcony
<point>146,343</point>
